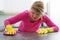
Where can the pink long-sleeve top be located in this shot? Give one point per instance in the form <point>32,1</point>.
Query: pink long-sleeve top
<point>28,26</point>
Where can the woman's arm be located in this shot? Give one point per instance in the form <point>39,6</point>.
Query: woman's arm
<point>15,19</point>
<point>50,24</point>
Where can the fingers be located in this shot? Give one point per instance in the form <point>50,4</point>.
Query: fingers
<point>7,32</point>
<point>42,31</point>
<point>50,30</point>
<point>11,32</point>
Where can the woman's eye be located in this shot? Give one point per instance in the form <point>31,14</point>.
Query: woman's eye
<point>32,13</point>
<point>37,14</point>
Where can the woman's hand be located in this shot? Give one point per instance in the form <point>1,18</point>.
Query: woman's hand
<point>50,30</point>
<point>42,31</point>
<point>45,30</point>
<point>10,30</point>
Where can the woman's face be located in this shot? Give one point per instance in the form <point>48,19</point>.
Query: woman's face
<point>35,15</point>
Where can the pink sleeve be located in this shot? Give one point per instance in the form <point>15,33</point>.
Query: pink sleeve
<point>50,23</point>
<point>15,19</point>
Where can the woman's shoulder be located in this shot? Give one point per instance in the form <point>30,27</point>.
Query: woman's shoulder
<point>26,11</point>
<point>45,16</point>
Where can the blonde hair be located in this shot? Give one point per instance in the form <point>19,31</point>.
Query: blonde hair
<point>38,6</point>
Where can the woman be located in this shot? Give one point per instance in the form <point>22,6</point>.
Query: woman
<point>31,20</point>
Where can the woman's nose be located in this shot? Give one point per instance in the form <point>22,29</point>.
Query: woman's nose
<point>35,16</point>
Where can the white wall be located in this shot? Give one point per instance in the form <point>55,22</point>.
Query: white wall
<point>55,11</point>
<point>18,5</point>
<point>1,5</point>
